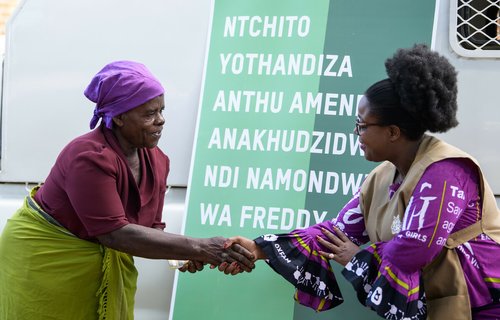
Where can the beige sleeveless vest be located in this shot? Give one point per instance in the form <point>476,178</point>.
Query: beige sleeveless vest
<point>444,282</point>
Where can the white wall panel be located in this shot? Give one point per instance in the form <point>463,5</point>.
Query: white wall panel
<point>478,103</point>
<point>55,47</point>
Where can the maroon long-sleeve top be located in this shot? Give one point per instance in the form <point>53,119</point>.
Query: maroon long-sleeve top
<point>91,190</point>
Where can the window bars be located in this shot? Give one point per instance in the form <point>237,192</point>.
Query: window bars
<point>475,28</point>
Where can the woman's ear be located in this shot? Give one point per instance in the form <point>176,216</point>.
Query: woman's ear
<point>394,133</point>
<point>118,121</point>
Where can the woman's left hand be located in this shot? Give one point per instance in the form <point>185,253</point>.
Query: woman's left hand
<point>340,248</point>
<point>191,266</point>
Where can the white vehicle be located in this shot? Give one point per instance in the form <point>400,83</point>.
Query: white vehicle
<point>54,47</point>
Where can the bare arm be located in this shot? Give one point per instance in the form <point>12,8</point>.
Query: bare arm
<point>155,244</point>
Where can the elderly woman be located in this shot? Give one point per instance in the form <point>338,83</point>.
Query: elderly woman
<point>427,211</point>
<point>67,253</point>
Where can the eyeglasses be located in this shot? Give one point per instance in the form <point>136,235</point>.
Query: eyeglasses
<point>360,127</point>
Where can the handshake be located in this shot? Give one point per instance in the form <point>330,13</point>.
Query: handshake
<point>238,254</point>
<point>231,256</point>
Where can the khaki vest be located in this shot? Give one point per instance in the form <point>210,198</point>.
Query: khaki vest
<point>444,282</point>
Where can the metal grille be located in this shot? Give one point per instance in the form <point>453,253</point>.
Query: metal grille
<point>475,31</point>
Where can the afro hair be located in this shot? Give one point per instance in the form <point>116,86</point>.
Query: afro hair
<point>426,83</point>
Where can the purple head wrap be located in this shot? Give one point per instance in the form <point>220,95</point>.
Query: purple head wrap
<point>119,87</point>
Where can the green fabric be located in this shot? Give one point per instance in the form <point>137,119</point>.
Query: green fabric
<point>118,282</point>
<point>48,273</point>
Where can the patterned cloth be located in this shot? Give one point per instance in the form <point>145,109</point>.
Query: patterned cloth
<point>295,257</point>
<point>445,200</point>
<point>48,273</point>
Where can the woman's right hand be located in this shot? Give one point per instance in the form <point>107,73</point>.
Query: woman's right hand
<point>219,250</point>
<point>248,244</point>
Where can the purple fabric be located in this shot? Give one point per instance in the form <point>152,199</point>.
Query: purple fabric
<point>488,312</point>
<point>298,261</point>
<point>119,87</point>
<point>447,196</point>
<point>445,200</point>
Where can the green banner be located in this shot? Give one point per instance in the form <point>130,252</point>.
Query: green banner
<point>275,148</point>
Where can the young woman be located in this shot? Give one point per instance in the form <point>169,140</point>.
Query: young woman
<point>427,211</point>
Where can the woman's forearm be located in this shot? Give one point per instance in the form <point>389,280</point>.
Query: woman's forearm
<point>152,243</point>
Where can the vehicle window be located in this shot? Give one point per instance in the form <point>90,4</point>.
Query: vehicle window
<point>475,27</point>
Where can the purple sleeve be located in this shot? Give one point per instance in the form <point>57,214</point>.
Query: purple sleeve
<point>295,256</point>
<point>350,220</point>
<point>387,275</point>
<point>437,202</point>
